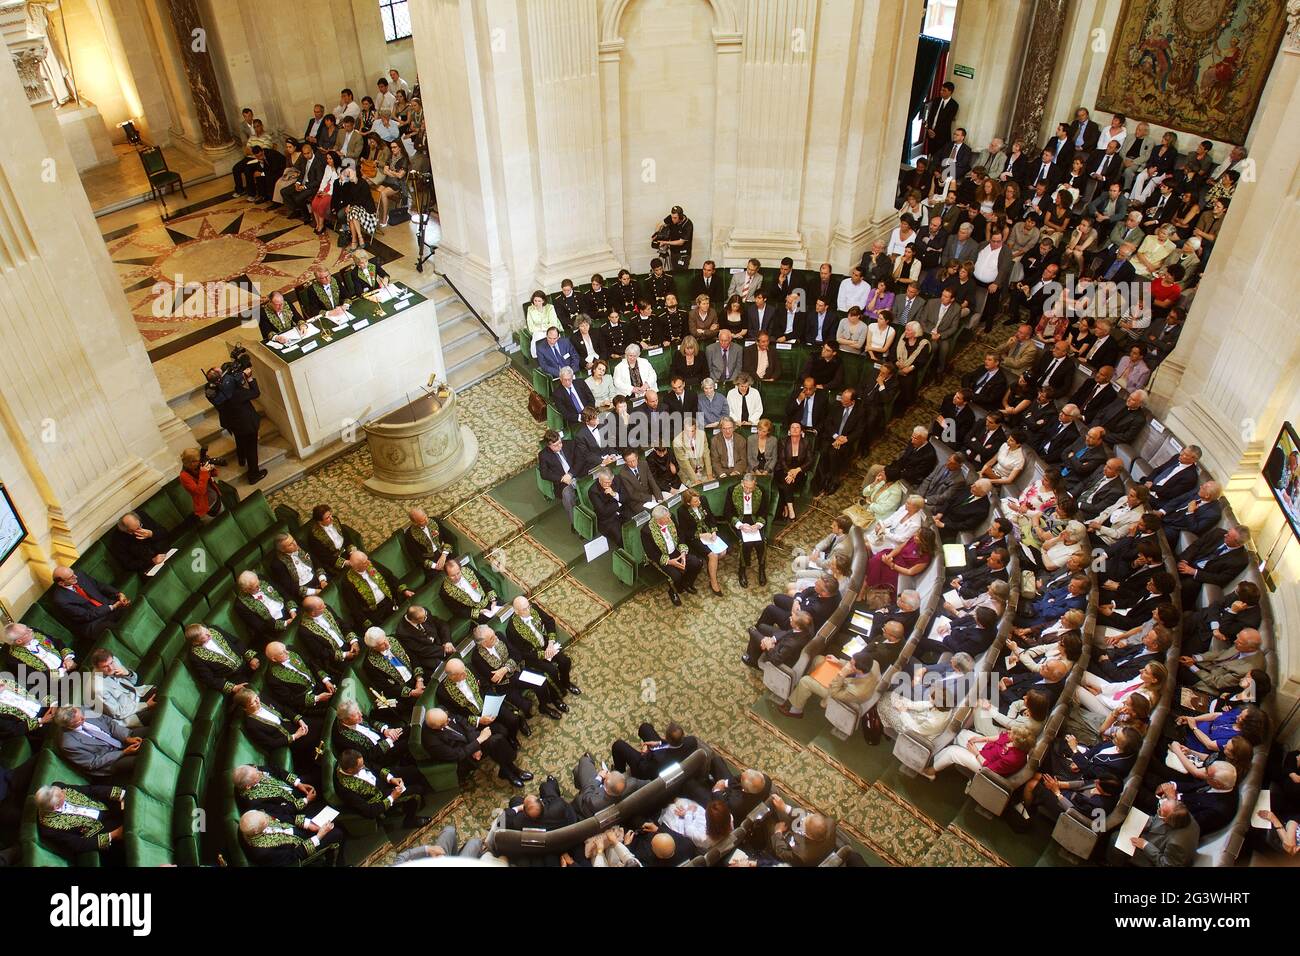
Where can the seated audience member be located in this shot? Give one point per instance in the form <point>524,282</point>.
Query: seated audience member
<point>1216,670</point>
<point>36,653</point>
<point>1004,754</point>
<point>544,811</point>
<point>450,738</point>
<point>1174,477</point>
<point>425,638</point>
<point>328,540</point>
<point>138,543</point>
<point>666,551</point>
<point>819,599</point>
<point>423,541</point>
<point>371,592</point>
<point>1193,513</point>
<point>554,354</point>
<point>397,681</point>
<point>1169,838</point>
<point>271,728</point>
<point>532,639</point>
<point>96,745</point>
<point>1212,802</point>
<point>460,693</point>
<point>267,841</point>
<point>800,837</point>
<point>282,795</point>
<point>444,846</point>
<point>781,647</point>
<point>324,639</point>
<point>1219,624</point>
<point>293,572</point>
<point>81,818</point>
<point>218,660</point>
<point>118,692</point>
<point>967,512</point>
<point>84,604</point>
<point>372,793</point>
<point>1216,557</point>
<point>263,610</point>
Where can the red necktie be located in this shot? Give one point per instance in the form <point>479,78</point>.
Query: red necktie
<point>93,602</point>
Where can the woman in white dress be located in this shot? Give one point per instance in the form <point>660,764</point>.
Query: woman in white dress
<point>1009,462</point>
<point>1068,647</point>
<point>893,531</point>
<point>1058,549</point>
<point>880,336</point>
<point>926,717</point>
<point>601,384</point>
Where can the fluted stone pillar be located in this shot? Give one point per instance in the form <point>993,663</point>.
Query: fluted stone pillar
<point>201,75</point>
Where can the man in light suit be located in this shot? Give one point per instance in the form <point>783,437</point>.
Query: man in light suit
<point>941,320</point>
<point>1221,669</point>
<point>726,358</point>
<point>1170,837</point>
<point>97,746</point>
<point>729,449</point>
<point>836,542</point>
<point>118,692</point>
<point>747,283</point>
<point>992,158</point>
<point>351,142</point>
<point>599,789</point>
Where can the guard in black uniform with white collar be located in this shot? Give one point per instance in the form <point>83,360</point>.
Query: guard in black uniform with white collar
<point>658,284</point>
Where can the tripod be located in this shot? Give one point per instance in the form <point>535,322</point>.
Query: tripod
<point>423,201</point>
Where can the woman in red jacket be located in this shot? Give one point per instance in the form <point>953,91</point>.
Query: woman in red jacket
<point>1003,755</point>
<point>197,478</point>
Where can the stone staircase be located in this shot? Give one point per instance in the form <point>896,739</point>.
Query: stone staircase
<point>471,355</point>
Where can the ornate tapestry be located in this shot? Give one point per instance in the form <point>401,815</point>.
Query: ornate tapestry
<point>1193,65</point>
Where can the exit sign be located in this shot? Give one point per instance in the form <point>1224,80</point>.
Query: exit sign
<point>964,71</point>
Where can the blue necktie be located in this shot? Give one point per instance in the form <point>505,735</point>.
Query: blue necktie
<point>577,403</point>
<point>555,351</point>
<point>1114,267</point>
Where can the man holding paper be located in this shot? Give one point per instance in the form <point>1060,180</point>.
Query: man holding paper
<point>451,739</point>
<point>460,693</point>
<point>531,638</point>
<point>138,543</point>
<point>1169,838</point>
<point>463,593</point>
<point>495,668</point>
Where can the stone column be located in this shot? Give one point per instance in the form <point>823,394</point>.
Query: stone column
<point>986,33</point>
<point>1043,42</point>
<point>775,77</point>
<point>201,75</point>
<point>84,430</point>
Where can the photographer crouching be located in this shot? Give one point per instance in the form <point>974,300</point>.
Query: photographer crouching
<point>231,389</point>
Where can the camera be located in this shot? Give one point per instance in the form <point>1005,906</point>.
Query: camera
<point>205,459</point>
<point>239,362</point>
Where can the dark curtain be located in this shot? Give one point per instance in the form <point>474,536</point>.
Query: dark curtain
<point>931,63</point>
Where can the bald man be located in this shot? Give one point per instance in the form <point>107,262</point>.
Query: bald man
<point>599,788</point>
<point>423,542</point>
<point>799,837</point>
<point>546,810</point>
<point>450,738</point>
<point>138,543</point>
<point>532,640</point>
<point>654,846</point>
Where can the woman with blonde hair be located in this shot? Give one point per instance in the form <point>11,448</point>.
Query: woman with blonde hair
<point>689,363</point>
<point>910,354</point>
<point>762,448</point>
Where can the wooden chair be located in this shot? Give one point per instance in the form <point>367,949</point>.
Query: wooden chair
<point>160,177</point>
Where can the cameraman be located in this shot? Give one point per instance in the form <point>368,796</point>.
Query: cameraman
<point>231,389</point>
<point>673,239</point>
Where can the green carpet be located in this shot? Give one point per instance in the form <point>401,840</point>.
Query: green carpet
<point>638,658</point>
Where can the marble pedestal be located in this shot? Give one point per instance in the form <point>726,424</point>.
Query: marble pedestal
<point>420,448</point>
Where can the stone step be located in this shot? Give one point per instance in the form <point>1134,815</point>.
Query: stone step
<point>458,329</point>
<point>475,370</point>
<point>271,450</point>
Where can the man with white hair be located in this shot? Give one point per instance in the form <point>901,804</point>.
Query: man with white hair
<point>396,681</point>
<point>1212,801</point>
<point>76,819</point>
<point>282,795</point>
<point>726,358</point>
<point>1125,420</point>
<point>502,674</point>
<point>1194,513</point>
<point>97,746</point>
<point>634,376</point>
<point>460,693</point>
<point>271,728</point>
<point>992,158</point>
<point>22,713</point>
<point>571,396</point>
<point>449,738</point>
<point>917,459</point>
<point>36,653</point>
<point>372,592</point>
<point>138,543</point>
<point>532,639</point>
<point>270,842</point>
<point>666,551</point>
<point>264,610</point>
<point>375,740</point>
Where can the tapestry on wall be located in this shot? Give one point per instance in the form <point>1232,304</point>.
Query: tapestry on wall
<point>1196,65</point>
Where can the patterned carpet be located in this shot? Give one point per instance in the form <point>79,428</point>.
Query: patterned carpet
<point>646,660</point>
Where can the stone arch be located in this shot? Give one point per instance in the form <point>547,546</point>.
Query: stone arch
<point>726,21</point>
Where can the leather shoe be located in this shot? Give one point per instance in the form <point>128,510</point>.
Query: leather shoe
<point>672,596</point>
<point>415,822</point>
<point>762,574</point>
<point>575,690</point>
<point>748,661</point>
<point>690,589</point>
<point>257,476</point>
<point>561,706</point>
<point>785,709</point>
<point>743,578</point>
<point>525,729</point>
<point>514,781</point>
<point>523,775</point>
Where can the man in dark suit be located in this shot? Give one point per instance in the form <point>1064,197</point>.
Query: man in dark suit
<point>760,314</point>
<point>1219,624</point>
<point>917,459</point>
<point>841,432</point>
<point>1193,513</point>
<point>807,406</point>
<point>232,394</point>
<point>1105,487</point>
<point>780,646</point>
<point>656,846</point>
<point>1174,477</point>
<point>1044,172</point>
<point>972,634</point>
<point>1124,420</point>
<point>956,418</point>
<point>300,194</point>
<point>138,543</point>
<point>966,513</point>
<point>636,483</point>
<point>1054,369</point>
<point>85,605</point>
<point>940,113</point>
<point>654,752</point>
<point>680,402</point>
<point>546,811</point>
<point>611,507</point>
<point>785,284</point>
<point>449,738</point>
<point>1212,802</point>
<point>987,383</point>
<point>425,638</point>
<point>787,324</point>
<point>555,463</point>
<point>982,444</point>
<point>709,282</point>
<point>1084,133</point>
<point>1054,603</point>
<point>1104,352</point>
<point>554,354</point>
<point>268,166</point>
<point>825,287</point>
<point>877,401</point>
<point>1124,664</point>
<point>591,447</point>
<point>975,580</point>
<point>1095,394</point>
<point>818,601</point>
<point>1084,457</point>
<point>1216,557</point>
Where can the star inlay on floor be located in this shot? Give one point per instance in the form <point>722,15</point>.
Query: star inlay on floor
<point>206,269</point>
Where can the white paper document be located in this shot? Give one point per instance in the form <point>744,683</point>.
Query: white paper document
<point>528,677</point>
<point>1133,825</point>
<point>954,598</point>
<point>158,567</point>
<point>326,815</point>
<point>596,547</point>
<point>716,544</point>
<point>492,704</point>
<point>751,537</point>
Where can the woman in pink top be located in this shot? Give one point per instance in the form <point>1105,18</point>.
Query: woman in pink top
<point>1004,755</point>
